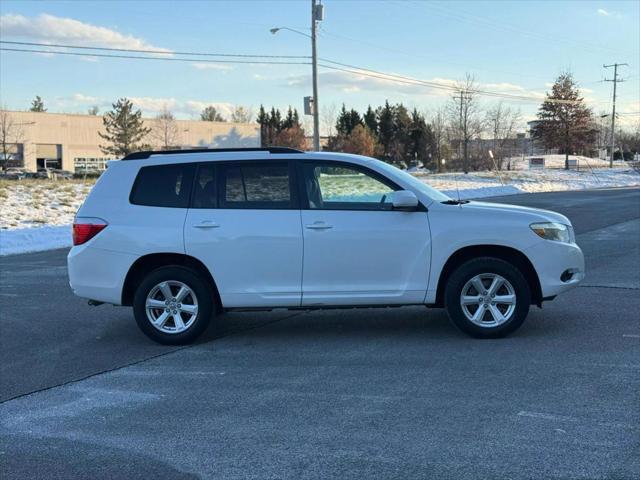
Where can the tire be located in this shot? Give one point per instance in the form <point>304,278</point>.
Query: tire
<point>187,313</point>
<point>503,314</point>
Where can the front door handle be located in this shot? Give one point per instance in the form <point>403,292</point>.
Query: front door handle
<point>318,226</point>
<point>206,224</point>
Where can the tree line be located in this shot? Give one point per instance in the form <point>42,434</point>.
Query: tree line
<point>466,134</point>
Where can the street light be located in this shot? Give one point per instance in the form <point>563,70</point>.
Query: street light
<point>317,14</point>
<point>277,29</point>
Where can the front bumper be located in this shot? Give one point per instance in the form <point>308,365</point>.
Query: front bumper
<point>560,266</point>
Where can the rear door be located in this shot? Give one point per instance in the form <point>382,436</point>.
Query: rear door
<point>357,249</point>
<point>244,224</point>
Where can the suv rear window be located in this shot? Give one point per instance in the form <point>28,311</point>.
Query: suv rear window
<point>163,186</point>
<point>249,185</point>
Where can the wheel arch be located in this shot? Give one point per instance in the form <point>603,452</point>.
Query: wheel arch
<point>148,263</point>
<point>508,254</point>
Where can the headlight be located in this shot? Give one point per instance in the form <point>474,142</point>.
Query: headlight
<point>552,231</point>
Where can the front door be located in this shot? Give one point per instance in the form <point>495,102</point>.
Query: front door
<point>357,249</point>
<point>244,224</point>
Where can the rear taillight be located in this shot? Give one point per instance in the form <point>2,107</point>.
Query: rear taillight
<point>84,230</point>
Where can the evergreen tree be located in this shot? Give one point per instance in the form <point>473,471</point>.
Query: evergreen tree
<point>263,121</point>
<point>37,105</point>
<point>386,130</point>
<point>211,114</point>
<point>565,122</point>
<point>124,128</point>
<point>276,131</point>
<point>291,120</point>
<point>347,121</point>
<point>421,139</point>
<point>370,120</point>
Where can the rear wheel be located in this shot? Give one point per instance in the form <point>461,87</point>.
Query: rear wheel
<point>173,305</point>
<point>487,297</point>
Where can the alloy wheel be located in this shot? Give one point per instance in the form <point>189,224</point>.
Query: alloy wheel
<point>171,306</point>
<point>488,300</point>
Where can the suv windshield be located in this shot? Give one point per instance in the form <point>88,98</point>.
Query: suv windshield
<point>431,192</point>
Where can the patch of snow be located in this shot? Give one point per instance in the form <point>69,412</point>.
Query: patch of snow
<point>488,184</point>
<point>24,240</point>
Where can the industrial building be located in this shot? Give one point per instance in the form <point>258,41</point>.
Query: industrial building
<point>71,142</point>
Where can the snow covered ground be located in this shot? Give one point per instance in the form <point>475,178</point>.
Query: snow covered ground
<point>36,215</point>
<point>488,184</point>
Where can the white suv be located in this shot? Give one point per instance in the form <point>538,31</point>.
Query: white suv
<point>185,235</point>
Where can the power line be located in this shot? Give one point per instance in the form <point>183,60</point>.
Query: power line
<point>155,52</point>
<point>356,70</point>
<point>139,57</point>
<point>345,67</point>
<point>421,55</point>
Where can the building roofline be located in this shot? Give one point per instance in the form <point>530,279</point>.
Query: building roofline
<point>149,153</point>
<point>73,114</point>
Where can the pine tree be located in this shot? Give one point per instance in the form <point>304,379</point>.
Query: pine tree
<point>386,130</point>
<point>347,121</point>
<point>263,121</point>
<point>37,105</point>
<point>565,122</point>
<point>421,139</point>
<point>125,130</point>
<point>370,120</point>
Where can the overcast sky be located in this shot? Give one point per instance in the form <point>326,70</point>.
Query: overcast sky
<point>515,47</point>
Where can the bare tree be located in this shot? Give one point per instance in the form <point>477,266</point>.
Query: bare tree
<point>328,115</point>
<point>11,134</point>
<point>165,130</point>
<point>503,121</point>
<point>465,116</point>
<point>93,110</point>
<point>439,128</point>
<point>241,114</point>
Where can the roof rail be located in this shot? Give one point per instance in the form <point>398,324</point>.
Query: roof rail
<point>148,153</point>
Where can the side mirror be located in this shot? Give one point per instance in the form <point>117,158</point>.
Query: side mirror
<point>404,200</point>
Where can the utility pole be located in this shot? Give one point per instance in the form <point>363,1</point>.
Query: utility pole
<point>615,81</point>
<point>317,14</point>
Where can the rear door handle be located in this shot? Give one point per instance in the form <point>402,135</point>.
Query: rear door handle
<point>206,224</point>
<point>318,226</point>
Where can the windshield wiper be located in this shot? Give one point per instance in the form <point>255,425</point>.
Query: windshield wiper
<point>455,202</point>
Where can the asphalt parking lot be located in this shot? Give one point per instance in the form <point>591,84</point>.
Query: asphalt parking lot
<point>375,393</point>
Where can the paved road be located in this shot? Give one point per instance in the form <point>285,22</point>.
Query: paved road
<point>395,393</point>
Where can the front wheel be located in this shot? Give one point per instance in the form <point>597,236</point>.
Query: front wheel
<point>173,305</point>
<point>487,297</point>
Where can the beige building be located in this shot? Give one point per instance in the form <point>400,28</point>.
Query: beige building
<point>71,142</point>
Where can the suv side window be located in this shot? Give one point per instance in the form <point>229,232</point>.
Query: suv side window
<point>205,189</point>
<point>255,185</point>
<point>163,186</point>
<point>331,186</point>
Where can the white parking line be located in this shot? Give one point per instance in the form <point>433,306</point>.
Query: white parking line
<point>630,335</point>
<point>547,416</point>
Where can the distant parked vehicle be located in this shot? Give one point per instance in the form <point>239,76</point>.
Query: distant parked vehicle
<point>182,236</point>
<point>13,173</point>
<point>60,174</point>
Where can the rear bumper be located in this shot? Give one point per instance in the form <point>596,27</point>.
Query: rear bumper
<point>560,266</point>
<point>98,274</point>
